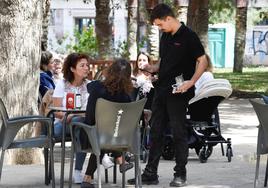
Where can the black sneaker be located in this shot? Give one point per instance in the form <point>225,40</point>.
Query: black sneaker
<point>146,179</point>
<point>178,181</point>
<point>125,167</point>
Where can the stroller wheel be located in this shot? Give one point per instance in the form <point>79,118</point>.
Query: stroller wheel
<point>202,156</point>
<point>205,153</point>
<point>197,149</point>
<point>229,154</point>
<point>209,151</point>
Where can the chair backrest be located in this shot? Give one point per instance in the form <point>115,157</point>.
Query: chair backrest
<point>117,123</point>
<point>261,110</point>
<point>3,121</point>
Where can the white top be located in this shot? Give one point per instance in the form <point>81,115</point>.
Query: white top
<point>57,78</point>
<point>205,77</point>
<point>63,87</point>
<point>144,83</point>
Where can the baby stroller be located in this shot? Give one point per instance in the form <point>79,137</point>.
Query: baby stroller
<point>203,121</point>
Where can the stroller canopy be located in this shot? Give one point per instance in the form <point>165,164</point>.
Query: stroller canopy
<point>215,87</point>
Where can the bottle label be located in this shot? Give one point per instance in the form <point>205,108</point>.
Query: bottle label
<point>70,101</point>
<point>78,101</point>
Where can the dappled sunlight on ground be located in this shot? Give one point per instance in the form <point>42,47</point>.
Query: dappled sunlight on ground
<point>238,121</point>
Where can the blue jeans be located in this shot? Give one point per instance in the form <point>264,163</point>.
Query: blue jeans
<point>79,156</point>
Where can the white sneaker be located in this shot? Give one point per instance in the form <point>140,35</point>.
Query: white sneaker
<point>77,176</point>
<point>107,162</point>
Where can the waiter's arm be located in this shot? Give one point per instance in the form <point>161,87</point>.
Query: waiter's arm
<point>201,65</point>
<point>153,68</point>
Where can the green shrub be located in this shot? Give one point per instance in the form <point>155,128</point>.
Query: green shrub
<point>85,42</point>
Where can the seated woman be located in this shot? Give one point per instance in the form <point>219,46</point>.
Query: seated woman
<point>142,79</point>
<point>46,68</point>
<point>116,87</point>
<point>75,72</point>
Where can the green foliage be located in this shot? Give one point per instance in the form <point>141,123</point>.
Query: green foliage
<point>86,42</point>
<point>256,16</point>
<point>251,80</point>
<point>142,42</point>
<point>61,44</point>
<point>221,11</point>
<point>122,50</point>
<point>171,4</point>
<point>224,12</point>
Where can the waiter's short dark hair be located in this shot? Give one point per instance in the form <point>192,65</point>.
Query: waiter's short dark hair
<point>161,11</point>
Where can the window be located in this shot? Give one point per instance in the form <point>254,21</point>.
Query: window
<point>84,23</point>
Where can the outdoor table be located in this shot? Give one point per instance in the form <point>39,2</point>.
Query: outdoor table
<point>64,124</point>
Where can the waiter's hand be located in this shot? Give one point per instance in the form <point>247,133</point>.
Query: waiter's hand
<point>185,86</point>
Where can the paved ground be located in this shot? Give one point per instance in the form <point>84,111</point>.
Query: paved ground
<point>238,121</point>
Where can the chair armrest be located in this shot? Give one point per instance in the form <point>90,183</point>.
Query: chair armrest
<point>15,124</point>
<point>26,117</point>
<point>18,122</point>
<point>91,132</point>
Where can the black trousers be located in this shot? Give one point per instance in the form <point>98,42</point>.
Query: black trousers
<point>168,108</point>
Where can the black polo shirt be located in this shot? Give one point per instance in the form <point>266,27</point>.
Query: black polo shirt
<point>178,54</point>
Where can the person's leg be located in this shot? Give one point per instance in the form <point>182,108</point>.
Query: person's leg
<point>119,160</point>
<point>158,124</point>
<point>79,156</point>
<point>177,107</point>
<point>79,160</point>
<point>91,168</point>
<point>58,130</point>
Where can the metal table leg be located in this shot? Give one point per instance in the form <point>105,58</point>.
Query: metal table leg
<point>64,124</point>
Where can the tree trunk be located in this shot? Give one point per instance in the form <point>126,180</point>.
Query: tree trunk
<point>142,34</point>
<point>240,36</point>
<point>45,23</point>
<point>197,20</point>
<point>153,32</point>
<point>20,35</point>
<point>103,29</point>
<point>132,28</point>
<point>181,9</point>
